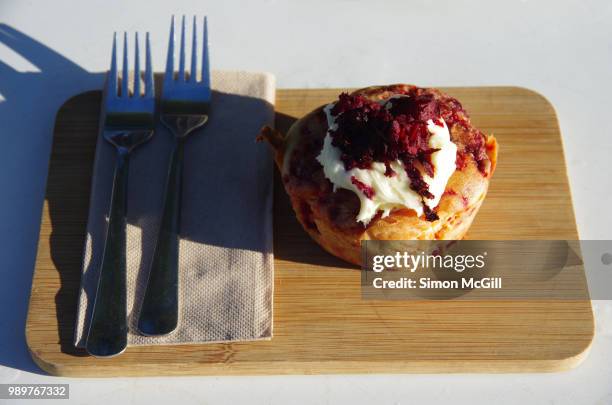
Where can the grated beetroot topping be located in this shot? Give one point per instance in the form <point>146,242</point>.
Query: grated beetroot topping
<point>389,172</point>
<point>369,132</point>
<point>364,188</point>
<point>430,215</point>
<point>469,140</point>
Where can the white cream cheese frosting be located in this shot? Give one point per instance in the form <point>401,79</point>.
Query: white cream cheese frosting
<point>395,191</point>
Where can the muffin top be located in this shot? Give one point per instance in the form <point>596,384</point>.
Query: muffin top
<point>386,149</point>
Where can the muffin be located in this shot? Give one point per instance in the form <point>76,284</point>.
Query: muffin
<point>394,162</point>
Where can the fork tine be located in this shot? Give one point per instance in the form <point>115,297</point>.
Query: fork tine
<point>193,73</point>
<point>124,77</point>
<point>181,73</point>
<point>149,82</point>
<point>111,81</point>
<point>169,76</point>
<point>136,67</point>
<point>205,64</point>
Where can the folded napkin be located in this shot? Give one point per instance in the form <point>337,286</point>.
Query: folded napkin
<point>225,260</point>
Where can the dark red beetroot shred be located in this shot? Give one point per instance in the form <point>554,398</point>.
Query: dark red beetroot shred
<point>368,132</point>
<point>364,188</point>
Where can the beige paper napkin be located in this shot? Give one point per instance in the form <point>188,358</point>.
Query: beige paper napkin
<point>225,260</point>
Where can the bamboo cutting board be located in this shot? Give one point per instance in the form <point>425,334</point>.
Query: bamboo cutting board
<point>321,325</point>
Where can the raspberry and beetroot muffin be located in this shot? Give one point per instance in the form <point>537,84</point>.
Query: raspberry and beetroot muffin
<point>392,162</point>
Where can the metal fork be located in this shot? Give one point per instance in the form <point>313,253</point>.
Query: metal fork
<point>184,107</point>
<point>128,122</point>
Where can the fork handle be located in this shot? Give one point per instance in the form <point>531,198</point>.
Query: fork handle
<point>108,327</point>
<point>159,312</point>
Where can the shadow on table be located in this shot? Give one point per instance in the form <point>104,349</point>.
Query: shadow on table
<point>71,181</point>
<point>28,106</point>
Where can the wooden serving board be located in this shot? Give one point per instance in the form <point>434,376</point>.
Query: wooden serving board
<point>321,324</point>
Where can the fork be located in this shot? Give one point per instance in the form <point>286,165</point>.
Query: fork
<point>184,107</point>
<point>128,122</point>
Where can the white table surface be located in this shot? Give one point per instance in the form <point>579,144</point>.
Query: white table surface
<point>562,49</point>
